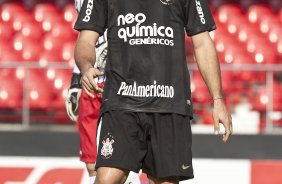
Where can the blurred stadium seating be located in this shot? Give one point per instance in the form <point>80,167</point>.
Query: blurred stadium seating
<point>39,33</point>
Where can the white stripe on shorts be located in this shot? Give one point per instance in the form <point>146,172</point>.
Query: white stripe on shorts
<point>98,133</point>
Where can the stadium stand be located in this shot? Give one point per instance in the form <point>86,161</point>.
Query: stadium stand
<point>249,33</point>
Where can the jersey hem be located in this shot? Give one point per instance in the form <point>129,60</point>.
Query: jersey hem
<point>147,111</point>
<point>201,29</point>
<point>96,28</point>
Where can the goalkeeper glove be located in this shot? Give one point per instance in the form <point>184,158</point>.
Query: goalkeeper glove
<point>72,100</point>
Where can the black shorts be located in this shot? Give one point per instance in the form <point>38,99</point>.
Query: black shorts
<point>158,143</point>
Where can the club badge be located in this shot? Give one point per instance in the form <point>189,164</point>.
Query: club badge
<point>107,148</point>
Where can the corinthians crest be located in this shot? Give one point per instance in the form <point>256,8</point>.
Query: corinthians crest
<point>107,148</point>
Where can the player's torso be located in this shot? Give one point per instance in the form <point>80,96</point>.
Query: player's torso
<point>146,62</point>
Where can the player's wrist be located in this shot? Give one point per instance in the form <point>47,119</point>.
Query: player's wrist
<point>75,80</point>
<point>85,69</point>
<point>218,98</point>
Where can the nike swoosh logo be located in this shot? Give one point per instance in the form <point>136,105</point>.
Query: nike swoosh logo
<point>185,167</point>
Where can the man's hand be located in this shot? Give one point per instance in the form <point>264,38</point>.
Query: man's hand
<point>209,67</point>
<point>88,82</point>
<point>221,115</point>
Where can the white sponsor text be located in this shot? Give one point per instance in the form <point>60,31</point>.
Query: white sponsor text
<point>153,90</point>
<point>200,11</point>
<point>88,11</point>
<point>143,34</point>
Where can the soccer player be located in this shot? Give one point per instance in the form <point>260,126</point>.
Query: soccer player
<point>146,106</point>
<point>85,110</point>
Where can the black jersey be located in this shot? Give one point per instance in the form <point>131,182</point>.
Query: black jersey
<point>146,68</point>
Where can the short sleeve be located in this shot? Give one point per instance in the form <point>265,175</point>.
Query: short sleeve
<point>198,17</point>
<point>93,16</point>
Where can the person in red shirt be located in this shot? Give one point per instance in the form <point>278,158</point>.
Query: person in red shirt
<point>85,110</point>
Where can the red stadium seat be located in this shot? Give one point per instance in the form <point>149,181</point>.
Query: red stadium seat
<point>207,118</point>
<point>280,15</point>
<point>61,95</point>
<point>50,56</point>
<point>248,76</point>
<point>19,41</point>
<point>61,84</point>
<point>62,78</point>
<point>39,90</point>
<point>234,23</point>
<point>10,90</point>
<point>262,98</point>
<point>254,41</point>
<point>20,18</point>
<point>234,54</point>
<point>51,43</point>
<point>70,13</point>
<point>222,43</point>
<point>70,16</point>
<point>31,51</point>
<point>9,9</point>
<point>63,31</point>
<point>199,90</point>
<point>32,30</point>
<point>221,31</point>
<point>225,11</point>
<point>48,22</point>
<point>257,12</point>
<point>247,30</point>
<point>6,31</point>
<point>275,33</point>
<point>230,52</point>
<point>227,81</point>
<point>68,51</point>
<point>5,46</point>
<point>47,15</point>
<point>11,55</point>
<point>268,21</point>
<point>266,54</point>
<point>45,10</point>
<point>279,46</point>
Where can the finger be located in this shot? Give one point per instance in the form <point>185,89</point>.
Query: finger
<point>98,90</point>
<point>226,136</point>
<point>90,77</point>
<point>86,84</point>
<point>227,130</point>
<point>95,86</point>
<point>98,73</point>
<point>231,125</point>
<point>216,125</point>
<point>86,88</point>
<point>88,91</point>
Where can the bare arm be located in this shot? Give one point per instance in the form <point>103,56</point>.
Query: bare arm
<point>209,67</point>
<point>85,56</point>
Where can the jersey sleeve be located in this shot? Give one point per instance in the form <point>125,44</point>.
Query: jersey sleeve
<point>92,16</point>
<point>198,17</point>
